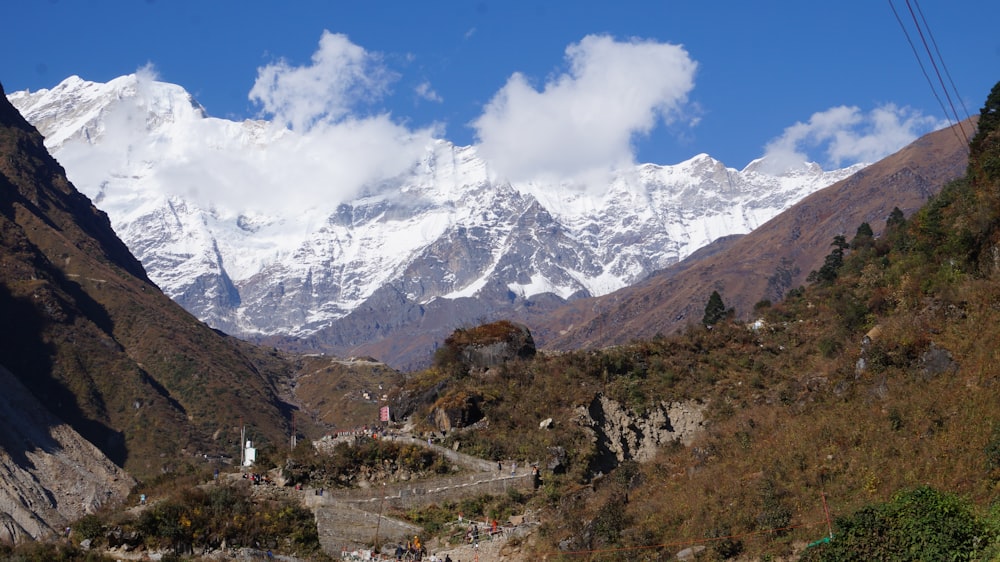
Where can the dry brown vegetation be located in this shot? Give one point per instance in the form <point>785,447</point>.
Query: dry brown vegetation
<point>332,392</point>
<point>802,408</point>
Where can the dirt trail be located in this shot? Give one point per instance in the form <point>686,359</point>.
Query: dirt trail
<point>350,519</point>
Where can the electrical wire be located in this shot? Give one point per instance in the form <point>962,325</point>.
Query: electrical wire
<point>934,64</point>
<point>938,52</point>
<point>961,138</point>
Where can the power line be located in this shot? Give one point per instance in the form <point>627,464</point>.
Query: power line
<point>923,69</point>
<point>934,64</point>
<point>938,52</point>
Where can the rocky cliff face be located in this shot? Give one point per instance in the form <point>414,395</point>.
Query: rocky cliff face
<point>621,434</point>
<point>52,475</point>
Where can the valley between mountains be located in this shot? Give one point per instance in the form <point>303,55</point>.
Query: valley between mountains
<point>436,243</point>
<point>409,337</point>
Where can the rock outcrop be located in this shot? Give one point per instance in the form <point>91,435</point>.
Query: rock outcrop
<point>51,475</point>
<point>458,411</point>
<point>494,344</point>
<point>622,434</point>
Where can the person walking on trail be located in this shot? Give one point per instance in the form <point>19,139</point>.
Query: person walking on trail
<point>513,468</point>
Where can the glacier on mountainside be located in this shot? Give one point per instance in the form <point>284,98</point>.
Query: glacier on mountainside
<point>251,226</point>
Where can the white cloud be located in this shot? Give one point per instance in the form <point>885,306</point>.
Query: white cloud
<point>330,155</point>
<point>341,76</point>
<point>333,153</point>
<point>583,122</point>
<point>425,91</point>
<point>297,172</point>
<point>846,135</point>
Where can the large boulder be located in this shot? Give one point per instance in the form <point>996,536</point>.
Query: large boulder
<point>491,345</point>
<point>456,410</point>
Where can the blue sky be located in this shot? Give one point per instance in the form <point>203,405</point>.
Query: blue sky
<point>542,86</point>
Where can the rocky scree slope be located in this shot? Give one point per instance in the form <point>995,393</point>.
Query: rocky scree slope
<point>52,475</point>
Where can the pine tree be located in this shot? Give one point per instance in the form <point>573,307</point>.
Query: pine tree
<point>863,237</point>
<point>715,310</point>
<point>833,262</point>
<point>983,147</point>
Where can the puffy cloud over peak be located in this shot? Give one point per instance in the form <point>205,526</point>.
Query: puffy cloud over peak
<point>845,135</point>
<point>319,152</point>
<point>341,76</point>
<point>584,120</point>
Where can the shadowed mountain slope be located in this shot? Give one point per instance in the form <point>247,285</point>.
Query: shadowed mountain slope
<point>766,263</point>
<point>100,346</point>
<point>52,476</point>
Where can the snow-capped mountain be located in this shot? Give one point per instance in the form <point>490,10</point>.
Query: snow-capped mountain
<point>249,226</point>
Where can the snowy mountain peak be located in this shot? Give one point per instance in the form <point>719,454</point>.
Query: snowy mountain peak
<point>261,230</point>
<point>77,108</point>
<point>771,166</point>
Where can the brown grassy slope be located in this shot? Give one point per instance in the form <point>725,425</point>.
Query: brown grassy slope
<point>767,262</point>
<point>331,391</point>
<point>790,419</point>
<point>790,423</point>
<point>97,343</point>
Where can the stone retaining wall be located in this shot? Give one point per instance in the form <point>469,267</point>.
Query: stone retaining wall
<point>437,490</point>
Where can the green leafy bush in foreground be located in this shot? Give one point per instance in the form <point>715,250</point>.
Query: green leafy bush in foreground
<point>919,524</point>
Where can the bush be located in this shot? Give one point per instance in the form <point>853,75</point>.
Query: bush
<point>207,518</point>
<point>89,527</point>
<point>921,524</point>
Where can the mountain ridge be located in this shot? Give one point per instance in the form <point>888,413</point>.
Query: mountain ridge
<point>775,257</point>
<point>100,346</point>
<point>441,229</point>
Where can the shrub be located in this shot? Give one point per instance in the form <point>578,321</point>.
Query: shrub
<point>89,526</point>
<point>611,520</point>
<point>920,524</point>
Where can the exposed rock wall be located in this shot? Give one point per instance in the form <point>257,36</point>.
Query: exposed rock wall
<point>434,490</point>
<point>351,518</point>
<point>517,343</point>
<point>621,434</point>
<point>49,474</point>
